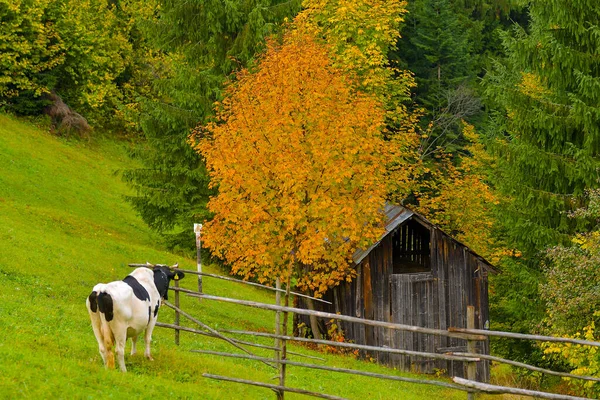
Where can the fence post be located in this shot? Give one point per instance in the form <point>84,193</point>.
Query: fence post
<point>283,342</point>
<point>198,231</point>
<point>280,393</point>
<point>176,284</point>
<point>471,348</point>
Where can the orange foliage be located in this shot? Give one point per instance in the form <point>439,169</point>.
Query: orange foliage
<point>299,160</point>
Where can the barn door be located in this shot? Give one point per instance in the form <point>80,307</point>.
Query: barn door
<point>414,302</point>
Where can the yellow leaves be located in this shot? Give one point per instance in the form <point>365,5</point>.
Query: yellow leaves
<point>458,198</point>
<point>583,360</point>
<point>360,33</point>
<point>532,86</point>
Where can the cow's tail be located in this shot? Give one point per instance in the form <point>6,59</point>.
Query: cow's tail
<point>105,306</point>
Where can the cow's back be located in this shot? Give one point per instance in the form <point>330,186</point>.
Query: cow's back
<point>133,301</point>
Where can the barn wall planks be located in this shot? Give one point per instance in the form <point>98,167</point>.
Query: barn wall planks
<point>437,298</point>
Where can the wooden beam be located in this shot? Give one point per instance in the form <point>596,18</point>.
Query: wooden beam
<point>260,346</point>
<point>273,387</point>
<point>471,348</point>
<point>341,370</point>
<point>383,324</point>
<point>358,346</point>
<point>225,278</point>
<point>524,336</point>
<point>487,388</point>
<point>523,365</point>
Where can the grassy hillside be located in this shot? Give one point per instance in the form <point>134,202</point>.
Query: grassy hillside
<point>64,227</point>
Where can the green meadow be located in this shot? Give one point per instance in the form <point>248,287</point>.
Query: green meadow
<point>64,226</point>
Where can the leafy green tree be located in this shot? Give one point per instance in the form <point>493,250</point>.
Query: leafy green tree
<point>85,51</point>
<point>547,139</point>
<point>435,48</point>
<point>205,41</point>
<point>572,276</point>
<point>30,47</point>
<point>570,293</point>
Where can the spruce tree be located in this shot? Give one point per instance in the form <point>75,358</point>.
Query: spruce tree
<point>205,41</point>
<point>549,91</point>
<point>448,44</point>
<point>547,138</point>
<point>435,47</point>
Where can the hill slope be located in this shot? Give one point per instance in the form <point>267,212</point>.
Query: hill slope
<point>64,227</point>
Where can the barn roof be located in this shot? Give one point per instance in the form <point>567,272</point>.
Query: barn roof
<point>396,216</point>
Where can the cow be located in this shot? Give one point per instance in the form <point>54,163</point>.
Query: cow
<point>123,309</point>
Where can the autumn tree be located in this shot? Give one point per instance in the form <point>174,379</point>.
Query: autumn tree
<point>299,161</point>
<point>362,34</point>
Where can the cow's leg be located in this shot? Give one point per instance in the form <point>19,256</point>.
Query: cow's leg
<point>148,338</point>
<point>107,335</point>
<point>133,343</point>
<point>120,333</point>
<point>97,327</point>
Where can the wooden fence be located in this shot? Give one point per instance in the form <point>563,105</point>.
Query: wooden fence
<point>280,360</point>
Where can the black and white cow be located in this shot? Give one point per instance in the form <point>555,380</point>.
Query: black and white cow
<point>123,309</point>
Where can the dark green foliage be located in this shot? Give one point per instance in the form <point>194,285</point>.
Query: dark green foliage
<point>549,91</point>
<point>447,44</point>
<point>547,138</point>
<point>435,48</point>
<point>205,42</point>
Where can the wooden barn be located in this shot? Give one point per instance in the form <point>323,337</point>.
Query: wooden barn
<point>414,275</point>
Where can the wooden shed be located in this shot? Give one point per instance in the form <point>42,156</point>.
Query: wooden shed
<point>415,275</point>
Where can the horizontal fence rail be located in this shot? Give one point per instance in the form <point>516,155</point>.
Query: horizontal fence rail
<point>274,387</point>
<point>355,346</point>
<point>487,388</point>
<point>526,366</point>
<point>321,314</point>
<point>260,346</point>
<point>333,369</point>
<point>524,336</point>
<point>226,278</point>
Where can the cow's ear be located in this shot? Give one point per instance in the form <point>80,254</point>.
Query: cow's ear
<point>176,275</point>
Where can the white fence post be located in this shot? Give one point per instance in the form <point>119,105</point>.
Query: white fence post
<point>198,231</point>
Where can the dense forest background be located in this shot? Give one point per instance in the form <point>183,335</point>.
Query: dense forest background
<point>483,115</point>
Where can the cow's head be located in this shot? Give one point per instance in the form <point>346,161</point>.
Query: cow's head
<point>163,274</point>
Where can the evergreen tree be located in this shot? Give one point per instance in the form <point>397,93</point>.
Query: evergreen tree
<point>205,41</point>
<point>547,138</point>
<point>435,47</point>
<point>448,44</point>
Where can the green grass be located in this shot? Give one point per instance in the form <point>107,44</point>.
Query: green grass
<point>64,227</point>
